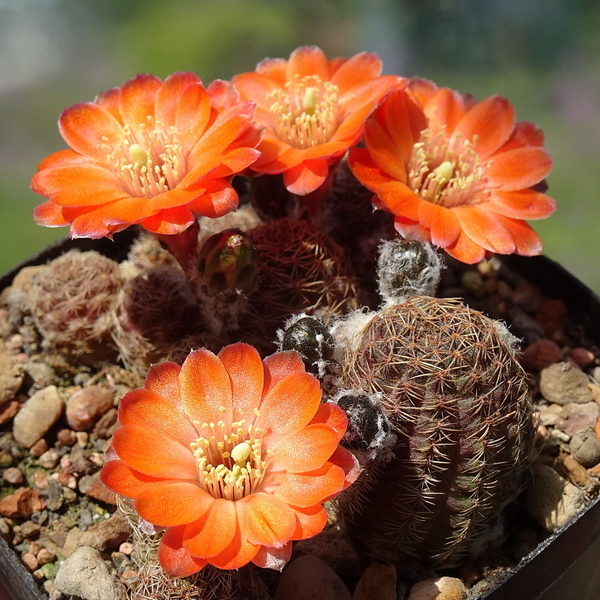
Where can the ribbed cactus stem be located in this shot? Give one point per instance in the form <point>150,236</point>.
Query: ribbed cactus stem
<point>460,405</point>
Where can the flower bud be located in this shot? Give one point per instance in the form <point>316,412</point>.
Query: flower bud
<point>228,263</point>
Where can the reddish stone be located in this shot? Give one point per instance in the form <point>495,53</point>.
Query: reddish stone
<point>99,491</point>
<point>39,448</point>
<point>23,503</point>
<point>552,316</point>
<point>541,354</point>
<point>583,357</point>
<point>66,437</point>
<point>86,406</point>
<point>8,411</point>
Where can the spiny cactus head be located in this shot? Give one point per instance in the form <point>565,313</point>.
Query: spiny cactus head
<point>407,268</point>
<point>228,263</point>
<point>75,302</point>
<point>459,403</point>
<point>311,339</point>
<point>300,270</point>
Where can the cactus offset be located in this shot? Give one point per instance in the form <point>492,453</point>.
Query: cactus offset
<point>75,302</point>
<point>459,403</point>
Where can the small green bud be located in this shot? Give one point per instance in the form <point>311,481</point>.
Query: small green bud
<point>228,263</point>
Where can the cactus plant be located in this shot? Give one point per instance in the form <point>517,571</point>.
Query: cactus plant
<point>75,302</point>
<point>300,269</point>
<point>460,406</point>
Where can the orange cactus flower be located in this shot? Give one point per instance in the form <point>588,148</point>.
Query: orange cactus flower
<point>149,152</point>
<point>313,109</point>
<point>232,454</point>
<point>455,172</point>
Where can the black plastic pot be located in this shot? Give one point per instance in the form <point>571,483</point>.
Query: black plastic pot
<point>562,567</point>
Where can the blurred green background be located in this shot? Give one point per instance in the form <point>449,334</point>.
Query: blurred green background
<point>544,55</point>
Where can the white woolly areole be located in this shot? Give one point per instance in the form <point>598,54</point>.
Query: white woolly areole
<point>347,332</point>
<point>395,269</point>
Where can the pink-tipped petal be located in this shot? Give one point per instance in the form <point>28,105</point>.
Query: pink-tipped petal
<point>174,558</point>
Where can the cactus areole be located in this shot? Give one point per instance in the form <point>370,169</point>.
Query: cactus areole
<point>461,408</point>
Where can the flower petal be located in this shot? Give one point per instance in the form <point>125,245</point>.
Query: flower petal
<point>443,226</point>
<point>211,534</point>
<point>332,415</point>
<point>147,409</point>
<point>122,479</point>
<point>309,488</point>
<point>173,503</point>
<point>273,558</point>
<point>399,199</point>
<point>245,368</point>
<point>136,100</point>
<point>519,169</point>
<point>152,453</point>
<point>205,388</point>
<point>384,152</point>
<point>256,87</point>
<point>485,228</point>
<point>289,406</point>
<point>526,239</point>
<point>90,130</point>
<point>307,449</point>
<point>239,552</point>
<point>306,61</point>
<point>444,110</point>
<point>522,204</point>
<point>174,558</point>
<point>265,519</point>
<point>163,379</point>
<point>49,215</point>
<point>489,124</point>
<point>365,170</point>
<point>278,366</point>
<point>170,221</point>
<point>218,199</point>
<point>358,69</point>
<point>310,521</point>
<point>465,250</point>
<point>306,177</point>
<point>183,103</point>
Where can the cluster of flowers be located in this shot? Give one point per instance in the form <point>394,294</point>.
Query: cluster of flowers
<point>232,454</point>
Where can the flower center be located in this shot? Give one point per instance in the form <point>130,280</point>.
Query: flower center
<point>306,111</point>
<point>149,160</point>
<point>446,175</point>
<point>230,459</point>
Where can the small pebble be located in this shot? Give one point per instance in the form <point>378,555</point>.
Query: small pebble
<point>560,435</point>
<point>37,416</point>
<point>13,475</point>
<point>6,459</point>
<point>585,448</point>
<point>438,588</point>
<point>8,410</point>
<point>540,354</point>
<point>568,467</point>
<point>577,417</point>
<point>49,459</point>
<point>309,578</point>
<point>30,561</point>
<point>83,437</point>
<point>552,315</point>
<point>85,575</point>
<point>582,356</point>
<point>126,548</point>
<point>378,582</point>
<point>86,406</point>
<point>45,556</point>
<point>66,437</point>
<point>563,383</point>
<point>549,414</point>
<point>551,499</point>
<point>21,504</point>
<point>39,448</point>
